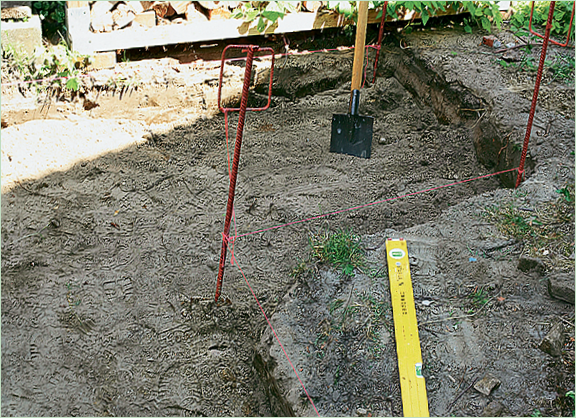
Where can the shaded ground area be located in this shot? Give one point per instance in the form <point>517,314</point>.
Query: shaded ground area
<point>109,267</point>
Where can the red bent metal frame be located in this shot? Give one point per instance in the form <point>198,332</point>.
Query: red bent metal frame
<point>552,40</point>
<point>250,49</point>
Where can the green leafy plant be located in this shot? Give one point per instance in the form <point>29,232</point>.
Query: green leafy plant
<point>563,68</point>
<point>560,21</point>
<point>528,63</point>
<point>512,222</point>
<point>479,297</point>
<point>567,193</point>
<point>345,8</point>
<point>300,270</point>
<point>482,13</point>
<point>56,62</point>
<point>571,395</point>
<point>546,232</point>
<point>560,68</point>
<point>335,305</point>
<point>342,249</point>
<point>264,13</point>
<point>53,16</point>
<point>379,309</point>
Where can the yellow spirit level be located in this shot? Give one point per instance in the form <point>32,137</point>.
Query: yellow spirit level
<point>412,384</point>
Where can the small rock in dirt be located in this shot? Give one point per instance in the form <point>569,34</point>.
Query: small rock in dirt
<point>215,353</point>
<point>527,264</point>
<point>561,286</point>
<point>382,141</point>
<point>493,409</point>
<point>228,375</point>
<point>487,384</point>
<point>336,395</point>
<point>89,103</point>
<point>361,412</point>
<point>553,342</point>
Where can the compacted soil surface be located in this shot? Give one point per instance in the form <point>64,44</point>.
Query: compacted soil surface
<point>113,206</point>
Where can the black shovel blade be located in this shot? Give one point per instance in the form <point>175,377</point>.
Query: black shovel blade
<point>352,135</point>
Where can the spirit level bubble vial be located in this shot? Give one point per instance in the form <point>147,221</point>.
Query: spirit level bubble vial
<point>412,383</point>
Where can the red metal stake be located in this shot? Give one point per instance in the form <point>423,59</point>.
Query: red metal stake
<point>234,171</point>
<point>535,96</point>
<point>380,34</point>
<point>251,49</point>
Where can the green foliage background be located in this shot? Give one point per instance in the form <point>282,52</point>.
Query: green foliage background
<point>560,20</point>
<point>482,13</point>
<point>53,16</point>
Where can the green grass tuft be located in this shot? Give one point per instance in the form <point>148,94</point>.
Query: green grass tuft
<point>342,249</point>
<point>547,232</point>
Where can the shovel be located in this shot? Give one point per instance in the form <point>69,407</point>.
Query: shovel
<point>352,133</point>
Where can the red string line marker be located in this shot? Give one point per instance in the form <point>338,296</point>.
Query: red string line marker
<point>372,203</point>
<point>234,261</point>
<point>276,335</point>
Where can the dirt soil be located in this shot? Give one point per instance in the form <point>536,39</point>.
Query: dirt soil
<point>113,207</point>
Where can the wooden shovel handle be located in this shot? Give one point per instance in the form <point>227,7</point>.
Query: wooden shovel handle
<point>359,44</point>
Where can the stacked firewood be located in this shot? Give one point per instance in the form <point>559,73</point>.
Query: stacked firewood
<point>106,16</point>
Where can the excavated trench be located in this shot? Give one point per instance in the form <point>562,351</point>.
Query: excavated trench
<point>454,107</point>
<point>148,218</point>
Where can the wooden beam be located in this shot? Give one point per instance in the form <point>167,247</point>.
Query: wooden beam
<point>146,19</point>
<point>78,24</point>
<point>75,4</point>
<point>180,6</point>
<point>202,31</point>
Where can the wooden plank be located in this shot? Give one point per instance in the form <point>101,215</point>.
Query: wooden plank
<point>103,60</point>
<point>101,18</point>
<point>162,9</point>
<point>207,31</point>
<point>192,13</point>
<point>147,5</point>
<point>123,15</point>
<point>78,23</point>
<point>146,19</point>
<point>201,31</point>
<point>75,4</point>
<point>412,383</point>
<point>180,6</point>
<point>135,6</point>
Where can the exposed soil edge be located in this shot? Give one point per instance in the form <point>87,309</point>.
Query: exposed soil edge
<point>495,149</point>
<point>452,102</point>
